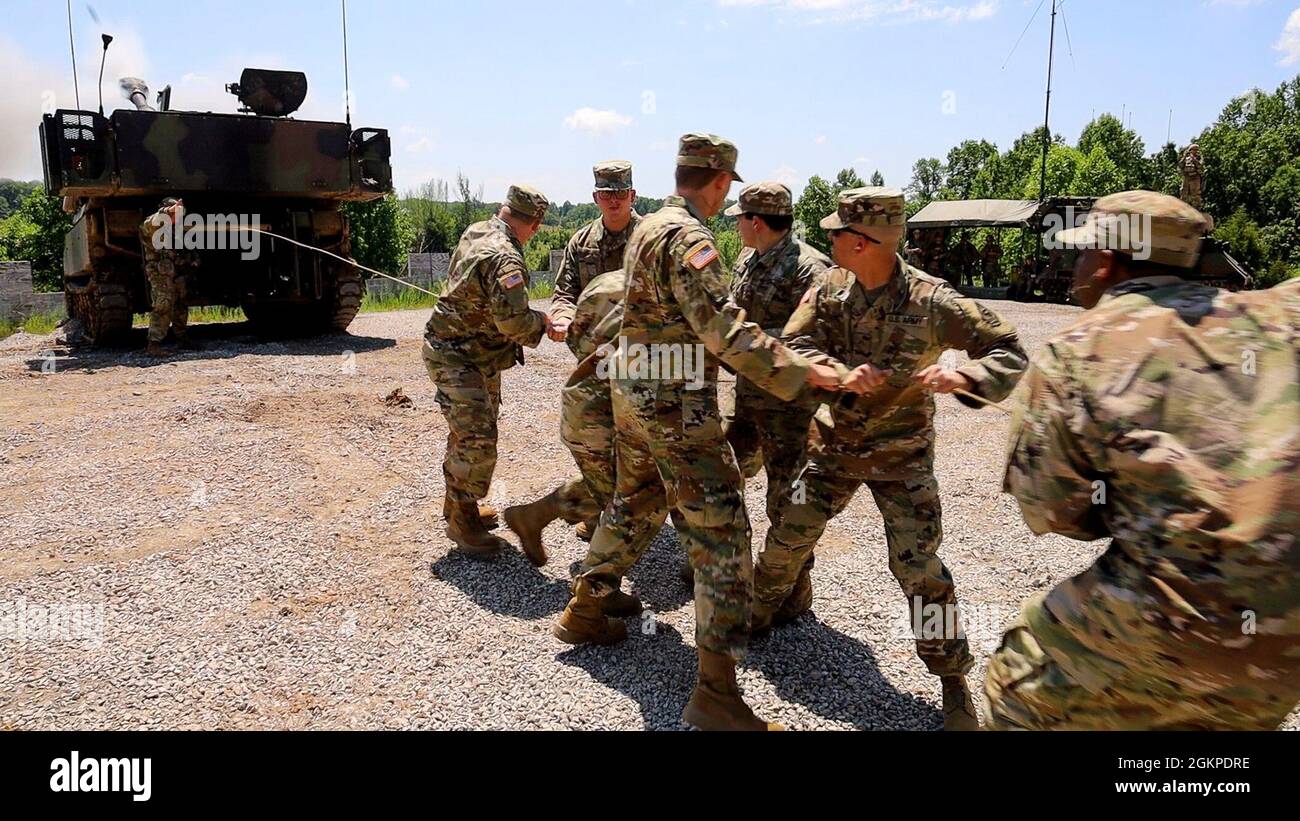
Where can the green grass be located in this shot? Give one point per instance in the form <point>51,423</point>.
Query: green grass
<point>208,313</point>
<point>405,299</point>
<point>38,324</point>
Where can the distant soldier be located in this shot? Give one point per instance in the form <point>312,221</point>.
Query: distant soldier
<point>587,428</point>
<point>991,256</point>
<point>967,259</point>
<point>672,452</point>
<point>163,264</point>
<point>1192,168</point>
<point>914,252</point>
<point>598,246</point>
<point>769,279</point>
<point>883,324</point>
<point>479,329</point>
<point>1165,419</point>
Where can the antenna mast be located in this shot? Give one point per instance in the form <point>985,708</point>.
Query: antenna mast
<point>1047,131</point>
<point>76,88</point>
<point>347,87</point>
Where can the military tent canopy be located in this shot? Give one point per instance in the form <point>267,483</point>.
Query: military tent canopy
<point>976,214</point>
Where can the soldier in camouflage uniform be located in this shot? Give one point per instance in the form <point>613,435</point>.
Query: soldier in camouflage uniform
<point>879,321</point>
<point>594,249</point>
<point>671,450</point>
<point>769,278</point>
<point>1165,419</point>
<point>479,329</point>
<point>162,266</point>
<point>598,246</point>
<point>587,429</point>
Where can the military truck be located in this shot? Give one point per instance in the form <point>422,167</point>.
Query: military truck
<point>276,173</point>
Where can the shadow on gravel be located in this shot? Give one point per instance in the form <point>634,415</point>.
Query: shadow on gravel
<point>507,585</point>
<point>657,671</point>
<point>836,676</point>
<point>219,340</point>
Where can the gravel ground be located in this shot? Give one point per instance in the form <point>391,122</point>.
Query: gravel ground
<point>249,537</point>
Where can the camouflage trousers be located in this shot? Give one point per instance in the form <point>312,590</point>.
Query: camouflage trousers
<point>587,430</point>
<point>772,435</point>
<point>1029,686</point>
<point>913,532</point>
<point>470,401</point>
<point>671,455</point>
<point>168,310</point>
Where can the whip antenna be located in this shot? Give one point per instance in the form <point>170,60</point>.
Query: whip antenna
<point>347,88</point>
<point>76,89</point>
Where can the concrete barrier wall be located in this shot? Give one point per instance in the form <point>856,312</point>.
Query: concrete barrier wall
<point>17,300</point>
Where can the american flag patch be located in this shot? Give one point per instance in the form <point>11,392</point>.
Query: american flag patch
<point>701,255</point>
<point>511,280</point>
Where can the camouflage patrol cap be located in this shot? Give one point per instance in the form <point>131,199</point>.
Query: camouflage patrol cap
<point>768,198</point>
<point>615,175</point>
<point>871,207</point>
<point>697,150</point>
<point>527,201</point>
<point>1144,225</point>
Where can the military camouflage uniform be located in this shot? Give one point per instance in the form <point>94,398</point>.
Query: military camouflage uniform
<point>885,438</point>
<point>477,330</point>
<point>586,414</point>
<point>163,268</point>
<point>593,250</point>
<point>1165,419</point>
<point>769,286</point>
<point>671,451</point>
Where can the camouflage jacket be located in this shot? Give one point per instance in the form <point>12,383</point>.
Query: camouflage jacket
<point>677,299</point>
<point>769,286</point>
<point>889,433</point>
<point>484,316</point>
<point>1167,418</point>
<point>585,398</point>
<point>590,252</point>
<point>167,260</point>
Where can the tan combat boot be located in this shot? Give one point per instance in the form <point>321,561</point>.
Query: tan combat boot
<point>687,574</point>
<point>958,707</point>
<point>798,602</point>
<point>585,530</point>
<point>528,522</point>
<point>584,621</point>
<point>716,703</point>
<point>486,513</point>
<point>621,605</point>
<point>154,350</point>
<point>465,528</point>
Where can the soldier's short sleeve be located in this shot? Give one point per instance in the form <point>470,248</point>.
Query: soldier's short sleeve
<point>700,289</point>
<point>1048,470</point>
<point>568,284</point>
<point>507,287</point>
<point>997,359</point>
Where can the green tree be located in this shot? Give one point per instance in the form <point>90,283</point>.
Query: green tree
<point>1063,163</point>
<point>1121,145</point>
<point>537,253</point>
<point>820,198</point>
<point>729,248</point>
<point>965,162</point>
<point>928,177</point>
<point>382,234</point>
<point>34,232</point>
<point>877,179</point>
<point>1097,176</point>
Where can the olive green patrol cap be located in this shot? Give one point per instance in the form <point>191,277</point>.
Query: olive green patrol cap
<point>1144,225</point>
<point>615,175</point>
<point>870,207</point>
<point>767,198</point>
<point>527,201</point>
<point>697,150</point>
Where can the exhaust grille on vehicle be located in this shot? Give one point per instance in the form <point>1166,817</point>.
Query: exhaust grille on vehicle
<point>79,127</point>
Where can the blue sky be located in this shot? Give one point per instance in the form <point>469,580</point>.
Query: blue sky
<point>536,92</point>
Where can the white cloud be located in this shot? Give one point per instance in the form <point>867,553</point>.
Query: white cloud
<point>420,146</point>
<point>787,176</point>
<point>820,139</point>
<point>597,122</point>
<point>1289,42</point>
<point>400,83</point>
<point>876,11</point>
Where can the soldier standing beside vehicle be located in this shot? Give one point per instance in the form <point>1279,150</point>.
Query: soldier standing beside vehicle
<point>884,324</point>
<point>1166,419</point>
<point>477,330</point>
<point>168,313</point>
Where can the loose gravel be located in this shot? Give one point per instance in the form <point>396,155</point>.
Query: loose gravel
<point>250,537</point>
